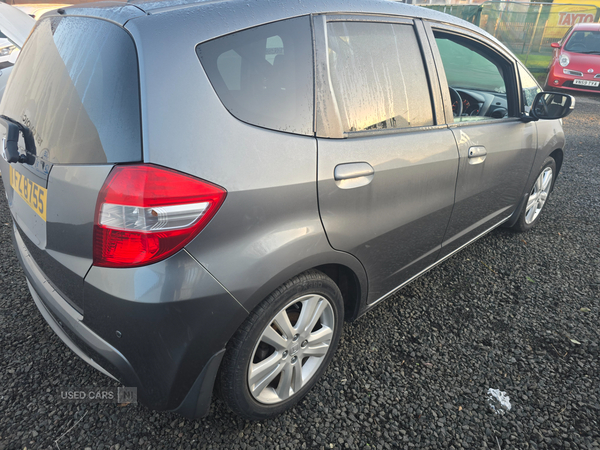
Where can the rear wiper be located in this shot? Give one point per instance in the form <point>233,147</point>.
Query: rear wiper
<point>10,142</point>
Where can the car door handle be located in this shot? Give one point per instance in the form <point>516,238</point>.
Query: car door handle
<point>353,175</point>
<point>477,154</point>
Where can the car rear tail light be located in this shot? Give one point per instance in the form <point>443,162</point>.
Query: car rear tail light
<point>147,213</point>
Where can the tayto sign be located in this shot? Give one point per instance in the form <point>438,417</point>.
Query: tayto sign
<point>567,19</point>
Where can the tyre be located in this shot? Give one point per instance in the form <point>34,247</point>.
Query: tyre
<point>283,347</point>
<point>538,196</point>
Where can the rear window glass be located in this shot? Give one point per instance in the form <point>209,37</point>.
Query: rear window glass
<point>264,75</point>
<point>75,85</point>
<point>378,76</point>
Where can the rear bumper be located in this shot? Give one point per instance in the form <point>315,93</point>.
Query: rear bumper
<point>170,351</point>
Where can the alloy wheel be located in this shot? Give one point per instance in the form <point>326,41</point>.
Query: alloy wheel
<point>539,194</point>
<point>291,349</point>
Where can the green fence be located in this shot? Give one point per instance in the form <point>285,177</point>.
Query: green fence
<point>527,29</point>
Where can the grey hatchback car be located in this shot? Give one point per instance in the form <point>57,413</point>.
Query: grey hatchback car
<point>203,192</point>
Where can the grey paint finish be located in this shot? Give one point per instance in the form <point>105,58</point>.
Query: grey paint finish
<point>118,12</point>
<point>271,205</point>
<point>176,279</point>
<point>551,137</point>
<point>395,224</point>
<point>248,157</point>
<point>259,239</point>
<point>489,191</point>
<point>72,195</point>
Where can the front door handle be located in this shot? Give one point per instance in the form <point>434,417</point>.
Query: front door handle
<point>477,154</point>
<point>353,175</point>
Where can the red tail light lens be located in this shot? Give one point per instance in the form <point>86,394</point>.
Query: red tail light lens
<point>147,213</point>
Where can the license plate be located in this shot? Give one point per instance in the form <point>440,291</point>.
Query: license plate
<point>33,194</point>
<point>586,83</point>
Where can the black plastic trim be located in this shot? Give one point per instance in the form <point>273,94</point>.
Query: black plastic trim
<point>196,403</point>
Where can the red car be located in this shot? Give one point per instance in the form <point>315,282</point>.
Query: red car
<point>576,62</point>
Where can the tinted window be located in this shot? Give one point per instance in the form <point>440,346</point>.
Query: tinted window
<point>378,76</point>
<point>264,75</point>
<point>75,85</point>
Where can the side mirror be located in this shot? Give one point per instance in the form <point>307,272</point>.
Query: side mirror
<point>555,45</point>
<point>552,105</point>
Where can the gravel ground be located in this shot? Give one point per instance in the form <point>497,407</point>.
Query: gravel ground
<point>514,312</point>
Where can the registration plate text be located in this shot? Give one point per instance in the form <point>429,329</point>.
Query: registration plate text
<point>33,194</point>
<point>586,83</point>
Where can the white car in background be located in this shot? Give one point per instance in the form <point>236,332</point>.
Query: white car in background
<point>15,26</point>
<point>36,10</point>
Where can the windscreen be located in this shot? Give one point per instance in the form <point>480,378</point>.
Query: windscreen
<point>75,85</point>
<point>584,42</point>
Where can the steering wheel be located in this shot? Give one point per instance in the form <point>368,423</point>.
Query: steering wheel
<point>456,98</point>
<point>577,47</point>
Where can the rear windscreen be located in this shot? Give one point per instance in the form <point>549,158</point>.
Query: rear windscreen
<point>75,85</point>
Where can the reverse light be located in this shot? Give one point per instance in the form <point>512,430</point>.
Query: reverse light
<point>564,60</point>
<point>147,213</point>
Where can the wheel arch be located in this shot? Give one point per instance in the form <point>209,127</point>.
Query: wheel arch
<point>344,269</point>
<point>558,156</point>
<point>349,286</point>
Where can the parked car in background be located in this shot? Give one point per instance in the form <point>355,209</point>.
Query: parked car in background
<point>174,220</point>
<point>576,60</point>
<point>15,26</point>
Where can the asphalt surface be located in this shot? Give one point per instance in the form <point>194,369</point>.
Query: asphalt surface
<point>518,313</point>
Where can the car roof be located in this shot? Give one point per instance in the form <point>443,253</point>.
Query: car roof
<point>238,8</point>
<point>226,16</point>
<point>587,27</point>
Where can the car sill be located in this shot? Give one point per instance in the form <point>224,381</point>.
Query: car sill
<point>396,289</point>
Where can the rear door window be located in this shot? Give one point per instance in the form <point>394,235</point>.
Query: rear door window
<point>377,76</point>
<point>264,75</point>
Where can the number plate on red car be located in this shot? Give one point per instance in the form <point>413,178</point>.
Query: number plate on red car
<point>586,83</point>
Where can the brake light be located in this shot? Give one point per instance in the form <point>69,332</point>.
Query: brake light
<point>147,213</point>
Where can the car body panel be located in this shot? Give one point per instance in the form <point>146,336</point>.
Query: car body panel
<point>411,195</point>
<point>488,192</point>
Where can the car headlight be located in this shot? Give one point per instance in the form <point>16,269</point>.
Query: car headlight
<point>5,51</point>
<point>564,60</point>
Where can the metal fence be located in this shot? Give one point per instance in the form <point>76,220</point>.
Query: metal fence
<point>526,28</point>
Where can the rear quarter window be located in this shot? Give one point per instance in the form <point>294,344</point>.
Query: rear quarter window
<point>264,75</point>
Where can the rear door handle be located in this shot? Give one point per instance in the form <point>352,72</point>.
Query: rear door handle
<point>477,154</point>
<point>353,175</point>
